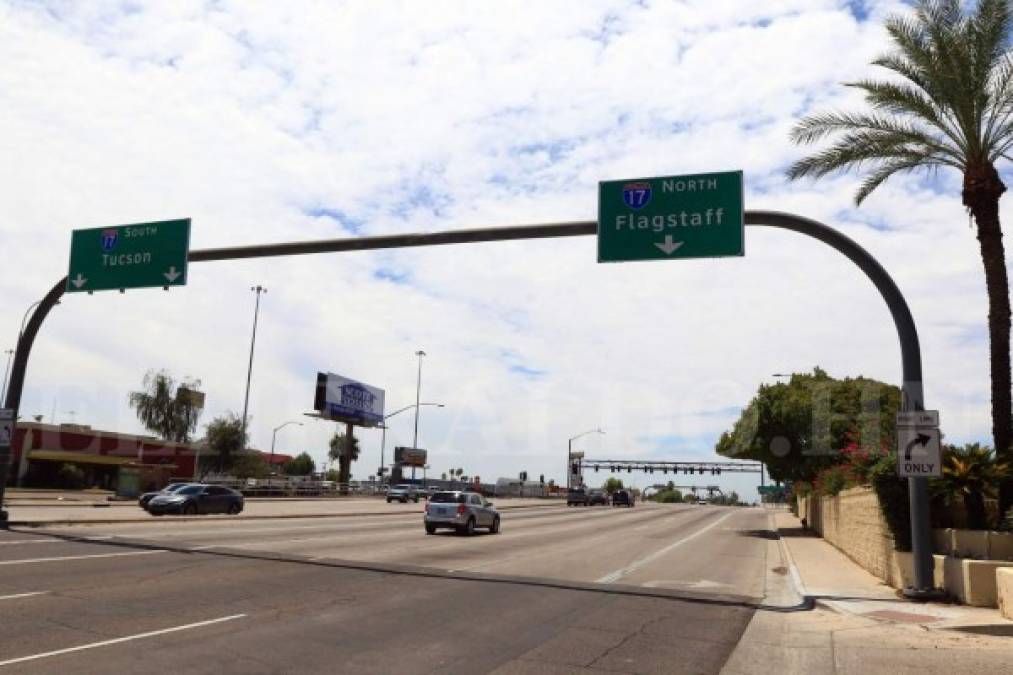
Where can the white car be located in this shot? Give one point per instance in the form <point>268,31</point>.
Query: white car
<point>460,511</point>
<point>403,493</point>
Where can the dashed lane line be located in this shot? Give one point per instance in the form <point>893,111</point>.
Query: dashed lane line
<point>22,595</point>
<point>126,638</point>
<point>637,564</point>
<point>80,557</point>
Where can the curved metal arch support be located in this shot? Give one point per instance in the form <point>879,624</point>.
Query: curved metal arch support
<point>912,398</point>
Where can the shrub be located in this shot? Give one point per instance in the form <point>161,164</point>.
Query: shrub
<point>668,497</point>
<point>70,477</point>
<point>832,480</point>
<point>892,491</point>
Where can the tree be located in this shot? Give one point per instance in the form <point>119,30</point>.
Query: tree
<point>950,108</point>
<point>300,465</point>
<point>611,485</point>
<point>443,476</point>
<point>250,464</point>
<point>971,474</point>
<point>338,452</point>
<point>797,428</point>
<point>161,408</point>
<point>224,439</point>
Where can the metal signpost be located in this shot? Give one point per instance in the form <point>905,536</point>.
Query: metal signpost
<point>142,255</point>
<point>912,400</point>
<point>693,216</point>
<point>918,444</point>
<point>6,428</point>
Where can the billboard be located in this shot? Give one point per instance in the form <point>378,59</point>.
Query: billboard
<point>344,400</point>
<point>410,456</point>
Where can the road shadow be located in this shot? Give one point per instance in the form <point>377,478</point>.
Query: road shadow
<point>997,630</point>
<point>759,534</point>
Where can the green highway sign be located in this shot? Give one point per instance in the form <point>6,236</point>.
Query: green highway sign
<point>129,256</point>
<point>694,216</point>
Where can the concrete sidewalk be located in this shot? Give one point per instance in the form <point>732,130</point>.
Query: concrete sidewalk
<point>860,625</point>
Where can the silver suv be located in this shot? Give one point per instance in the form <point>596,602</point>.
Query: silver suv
<point>461,511</point>
<point>403,493</point>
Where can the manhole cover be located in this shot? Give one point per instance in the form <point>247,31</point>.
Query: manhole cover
<point>900,617</point>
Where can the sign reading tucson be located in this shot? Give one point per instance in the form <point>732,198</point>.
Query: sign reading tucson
<point>345,400</point>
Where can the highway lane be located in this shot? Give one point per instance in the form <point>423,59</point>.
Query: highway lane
<point>662,546</point>
<point>119,600</point>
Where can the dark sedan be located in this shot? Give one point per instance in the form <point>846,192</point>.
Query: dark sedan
<point>143,500</point>
<point>623,498</point>
<point>195,499</point>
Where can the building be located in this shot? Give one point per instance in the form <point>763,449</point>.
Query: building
<point>125,463</point>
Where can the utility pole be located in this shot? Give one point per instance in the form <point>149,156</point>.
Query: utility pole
<point>249,371</point>
<point>418,391</point>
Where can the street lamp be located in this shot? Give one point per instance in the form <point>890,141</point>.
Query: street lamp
<point>569,452</point>
<point>249,371</point>
<point>383,439</point>
<point>418,390</point>
<point>274,436</point>
<point>781,375</point>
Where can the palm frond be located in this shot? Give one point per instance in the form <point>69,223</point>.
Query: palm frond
<point>888,169</point>
<point>906,100</point>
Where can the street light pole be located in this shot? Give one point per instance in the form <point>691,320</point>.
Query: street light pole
<point>274,436</point>
<point>383,437</point>
<point>418,391</point>
<point>569,453</point>
<point>249,371</point>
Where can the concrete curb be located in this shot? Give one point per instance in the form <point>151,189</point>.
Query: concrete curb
<point>203,519</point>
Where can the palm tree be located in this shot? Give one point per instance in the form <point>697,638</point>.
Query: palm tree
<point>337,452</point>
<point>163,410</point>
<point>952,107</point>
<point>970,473</point>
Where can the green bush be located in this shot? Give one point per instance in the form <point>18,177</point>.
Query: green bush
<point>832,480</point>
<point>668,497</point>
<point>892,492</point>
<point>70,477</point>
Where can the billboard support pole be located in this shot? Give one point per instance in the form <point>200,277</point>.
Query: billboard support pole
<point>349,440</point>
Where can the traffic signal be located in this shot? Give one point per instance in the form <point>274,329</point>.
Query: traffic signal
<point>596,468</point>
<point>541,479</point>
<point>629,469</point>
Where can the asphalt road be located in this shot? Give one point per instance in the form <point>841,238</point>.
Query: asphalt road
<point>654,589</point>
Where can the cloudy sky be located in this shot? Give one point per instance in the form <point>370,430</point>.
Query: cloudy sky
<point>269,121</point>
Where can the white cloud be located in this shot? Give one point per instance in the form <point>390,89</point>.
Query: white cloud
<point>252,117</point>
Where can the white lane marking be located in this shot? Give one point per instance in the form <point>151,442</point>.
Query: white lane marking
<point>22,595</point>
<point>29,541</point>
<point>78,557</point>
<point>637,564</point>
<point>114,641</point>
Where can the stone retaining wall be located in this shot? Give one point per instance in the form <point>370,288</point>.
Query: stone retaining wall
<point>852,522</point>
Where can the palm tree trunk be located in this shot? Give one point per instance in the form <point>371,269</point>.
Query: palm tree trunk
<point>982,189</point>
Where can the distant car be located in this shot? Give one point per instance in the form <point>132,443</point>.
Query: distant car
<point>597,497</point>
<point>623,498</point>
<point>402,493</point>
<point>460,511</point>
<point>191,500</point>
<point>576,497</point>
<point>143,500</point>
